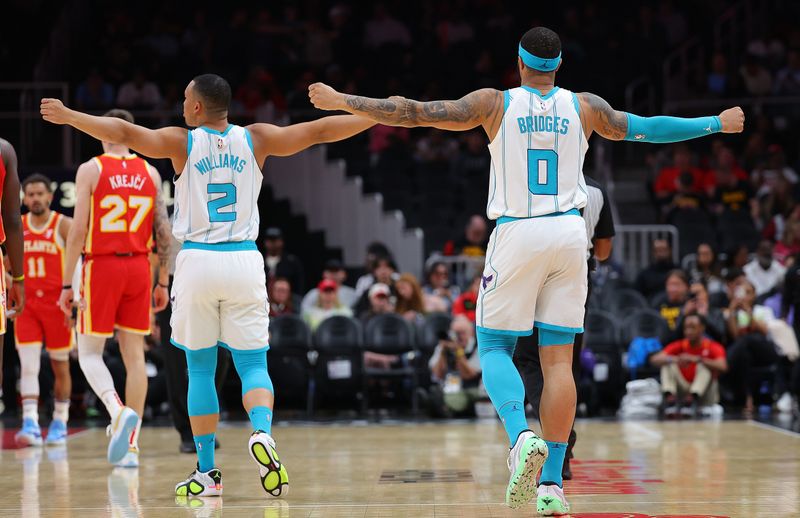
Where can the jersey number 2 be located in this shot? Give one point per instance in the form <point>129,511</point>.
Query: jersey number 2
<point>228,198</point>
<point>543,171</point>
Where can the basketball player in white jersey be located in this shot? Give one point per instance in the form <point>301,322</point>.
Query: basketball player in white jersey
<point>219,294</point>
<point>535,271</point>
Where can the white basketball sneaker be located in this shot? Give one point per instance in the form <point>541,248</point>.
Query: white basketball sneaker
<point>524,462</point>
<point>120,431</point>
<point>201,483</point>
<point>130,460</point>
<point>550,501</point>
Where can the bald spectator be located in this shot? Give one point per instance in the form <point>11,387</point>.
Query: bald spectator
<point>764,272</point>
<point>651,280</point>
<point>474,240</point>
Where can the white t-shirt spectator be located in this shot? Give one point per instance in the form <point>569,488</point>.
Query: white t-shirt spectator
<point>764,280</point>
<point>315,315</point>
<point>347,296</point>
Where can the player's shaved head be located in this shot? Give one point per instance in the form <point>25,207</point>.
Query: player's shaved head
<point>214,92</point>
<point>541,42</point>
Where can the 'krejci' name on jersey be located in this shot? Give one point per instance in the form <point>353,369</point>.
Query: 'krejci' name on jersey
<point>543,123</point>
<point>126,181</point>
<point>46,247</point>
<point>224,160</point>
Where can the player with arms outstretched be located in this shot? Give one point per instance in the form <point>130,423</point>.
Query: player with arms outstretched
<point>119,207</point>
<point>219,291</point>
<point>535,272</point>
<point>45,235</point>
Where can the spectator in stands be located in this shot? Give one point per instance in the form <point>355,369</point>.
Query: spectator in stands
<point>456,371</point>
<point>473,242</point>
<point>718,81</point>
<point>374,251</point>
<point>651,279</point>
<point>764,272</point>
<point>94,93</point>
<point>436,148</point>
<point>733,193</point>
<point>773,170</point>
<point>751,349</point>
<point>466,303</point>
<point>790,302</point>
<point>735,260</point>
<point>706,269</point>
<point>410,304</point>
<point>384,29</point>
<point>326,305</point>
<point>685,197</point>
<point>670,302</point>
<point>277,263</point>
<point>787,81</point>
<point>667,184</point>
<point>789,244</point>
<point>698,304</point>
<point>280,298</point>
<point>439,293</point>
<point>334,271</point>
<point>139,93</point>
<point>756,79</point>
<point>689,370</point>
<point>384,272</point>
<point>473,159</point>
<point>380,302</point>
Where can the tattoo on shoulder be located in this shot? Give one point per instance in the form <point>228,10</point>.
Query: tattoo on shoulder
<point>610,123</point>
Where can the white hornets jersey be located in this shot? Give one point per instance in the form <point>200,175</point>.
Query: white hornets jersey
<point>537,155</point>
<point>216,195</point>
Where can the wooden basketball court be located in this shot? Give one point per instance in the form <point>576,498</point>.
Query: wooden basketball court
<point>632,470</point>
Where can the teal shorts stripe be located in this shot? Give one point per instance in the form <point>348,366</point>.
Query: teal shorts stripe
<point>228,246</point>
<point>509,219</point>
<point>503,331</point>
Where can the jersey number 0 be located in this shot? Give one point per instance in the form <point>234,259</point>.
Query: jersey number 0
<point>543,171</point>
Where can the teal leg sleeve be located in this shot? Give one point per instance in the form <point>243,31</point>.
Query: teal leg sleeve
<point>202,397</point>
<point>548,337</point>
<point>503,382</point>
<point>252,369</point>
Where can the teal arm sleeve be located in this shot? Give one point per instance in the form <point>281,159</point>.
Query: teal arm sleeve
<point>664,129</point>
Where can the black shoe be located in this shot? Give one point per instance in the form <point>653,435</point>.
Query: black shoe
<point>566,470</point>
<point>188,446</point>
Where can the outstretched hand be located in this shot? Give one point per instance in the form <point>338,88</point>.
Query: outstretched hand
<point>324,97</point>
<point>732,120</point>
<point>53,110</point>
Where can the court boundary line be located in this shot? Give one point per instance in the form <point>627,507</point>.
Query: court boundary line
<point>772,427</point>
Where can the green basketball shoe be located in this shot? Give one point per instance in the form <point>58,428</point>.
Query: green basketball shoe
<point>550,501</point>
<point>199,483</point>
<point>524,461</point>
<point>273,475</point>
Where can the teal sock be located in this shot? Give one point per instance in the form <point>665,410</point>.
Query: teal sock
<point>551,471</point>
<point>205,451</point>
<point>261,418</point>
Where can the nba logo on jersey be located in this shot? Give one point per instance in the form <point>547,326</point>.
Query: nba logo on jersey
<point>220,144</point>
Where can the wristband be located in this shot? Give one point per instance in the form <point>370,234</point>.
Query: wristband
<point>66,287</point>
<point>18,279</point>
<point>165,286</point>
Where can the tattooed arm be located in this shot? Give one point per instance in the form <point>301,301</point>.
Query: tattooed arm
<point>597,115</point>
<point>479,108</point>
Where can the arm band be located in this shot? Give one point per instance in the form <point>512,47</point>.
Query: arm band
<point>664,129</point>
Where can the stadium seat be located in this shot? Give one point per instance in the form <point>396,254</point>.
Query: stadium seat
<point>736,228</point>
<point>391,334</point>
<point>601,336</point>
<point>694,227</point>
<point>622,301</point>
<point>429,333</point>
<point>646,323</point>
<point>339,365</point>
<point>289,365</point>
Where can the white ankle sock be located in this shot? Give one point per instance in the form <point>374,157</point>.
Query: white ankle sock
<point>30,409</point>
<point>61,411</point>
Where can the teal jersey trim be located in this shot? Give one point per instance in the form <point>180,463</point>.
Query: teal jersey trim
<point>577,105</point>
<point>503,332</point>
<point>189,143</point>
<point>218,344</point>
<point>510,219</point>
<point>249,140</point>
<point>229,246</point>
<point>215,132</point>
<point>506,100</point>
<point>550,94</point>
<point>553,327</point>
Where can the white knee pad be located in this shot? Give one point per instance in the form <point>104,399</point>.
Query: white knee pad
<point>30,361</point>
